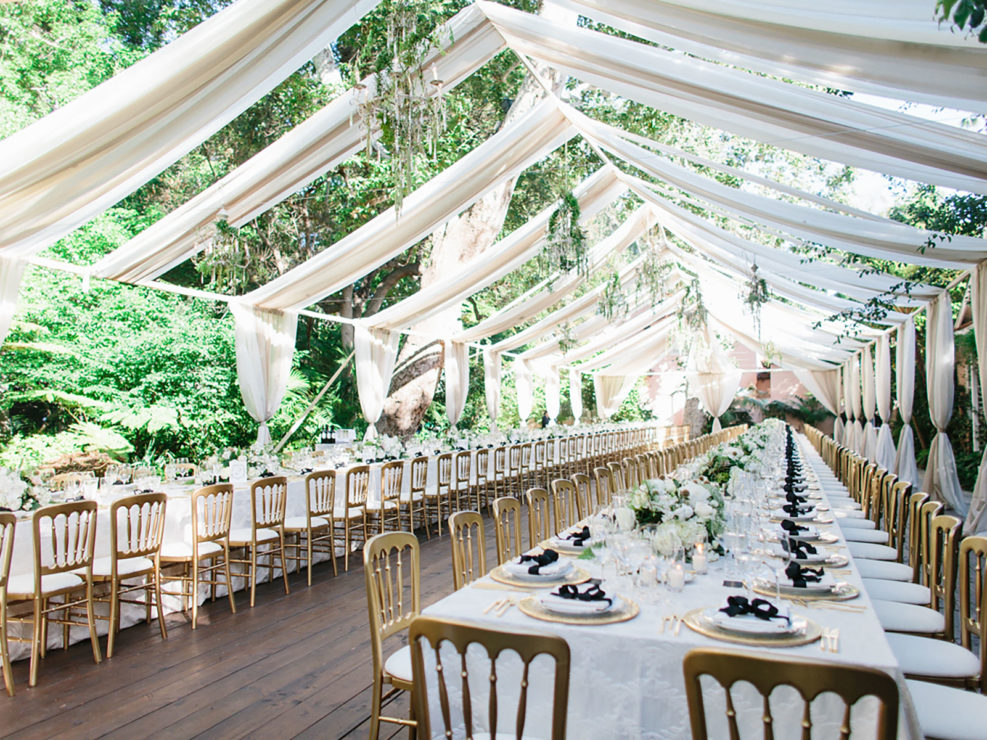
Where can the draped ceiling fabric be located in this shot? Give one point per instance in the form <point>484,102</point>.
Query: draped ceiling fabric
<point>553,400</point>
<point>904,464</point>
<point>713,377</point>
<point>858,430</point>
<point>838,427</point>
<point>265,345</point>
<point>457,372</point>
<point>376,352</point>
<point>11,270</point>
<point>824,385</point>
<point>491,383</point>
<point>941,480</point>
<point>976,518</point>
<point>610,392</point>
<point>885,453</point>
<point>869,403</point>
<point>525,393</point>
<point>576,393</point>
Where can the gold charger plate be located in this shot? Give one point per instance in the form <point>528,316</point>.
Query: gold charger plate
<point>576,575</point>
<point>845,592</point>
<point>532,607</point>
<point>698,622</point>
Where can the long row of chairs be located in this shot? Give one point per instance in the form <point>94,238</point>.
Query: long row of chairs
<point>913,560</point>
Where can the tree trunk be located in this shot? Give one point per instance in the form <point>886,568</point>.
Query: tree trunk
<point>420,361</point>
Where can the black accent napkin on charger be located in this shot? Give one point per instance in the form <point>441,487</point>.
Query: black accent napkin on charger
<point>801,577</point>
<point>593,593</point>
<point>578,539</point>
<point>792,527</point>
<point>547,557</point>
<point>738,606</point>
<point>801,550</point>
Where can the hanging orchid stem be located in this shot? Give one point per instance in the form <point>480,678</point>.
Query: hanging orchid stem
<point>755,295</point>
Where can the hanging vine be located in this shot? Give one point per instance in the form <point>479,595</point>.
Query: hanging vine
<point>755,295</point>
<point>692,313</point>
<point>565,337</point>
<point>653,274</point>
<point>613,302</point>
<point>565,244</point>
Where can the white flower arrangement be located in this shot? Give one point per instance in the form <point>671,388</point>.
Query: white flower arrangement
<point>684,512</point>
<point>14,492</point>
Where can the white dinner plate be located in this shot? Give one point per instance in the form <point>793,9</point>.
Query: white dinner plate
<point>748,624</point>
<point>806,517</point>
<point>550,572</point>
<point>574,606</point>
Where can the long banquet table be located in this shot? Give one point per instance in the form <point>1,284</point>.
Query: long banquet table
<point>626,679</point>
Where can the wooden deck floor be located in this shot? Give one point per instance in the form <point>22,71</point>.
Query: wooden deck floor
<point>293,666</point>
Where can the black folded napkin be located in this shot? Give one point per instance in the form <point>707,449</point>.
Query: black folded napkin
<point>792,527</point>
<point>795,498</point>
<point>593,593</point>
<point>118,483</point>
<point>547,557</point>
<point>305,471</point>
<point>802,576</point>
<point>146,490</point>
<point>578,539</point>
<point>801,550</point>
<point>267,474</point>
<point>795,509</point>
<point>738,606</point>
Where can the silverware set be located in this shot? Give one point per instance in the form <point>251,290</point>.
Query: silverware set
<point>500,607</point>
<point>830,640</point>
<point>672,622</point>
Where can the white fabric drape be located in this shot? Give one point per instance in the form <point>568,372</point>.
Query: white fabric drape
<point>713,377</point>
<point>576,393</point>
<point>976,518</point>
<point>265,345</point>
<point>11,272</point>
<point>868,406</point>
<point>838,430</point>
<point>904,463</point>
<point>525,393</point>
<point>885,452</point>
<point>457,372</point>
<point>824,385</point>
<point>491,384</point>
<point>941,480</point>
<point>553,399</point>
<point>858,430</point>
<point>610,392</point>
<point>376,353</point>
<point>81,159</point>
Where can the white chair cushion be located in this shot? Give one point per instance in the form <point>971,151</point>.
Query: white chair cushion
<point>848,512</point>
<point>887,570</point>
<point>296,523</point>
<point>875,536</point>
<point>23,585</point>
<point>244,536</point>
<point>104,566</point>
<point>948,712</point>
<point>398,664</point>
<point>927,656</point>
<point>897,617</point>
<point>355,512</point>
<point>376,505</point>
<point>183,550</point>
<point>854,522</point>
<point>872,551</point>
<point>906,593</point>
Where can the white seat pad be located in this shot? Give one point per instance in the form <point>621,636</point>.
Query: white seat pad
<point>104,566</point>
<point>887,570</point>
<point>376,505</point>
<point>854,523</point>
<point>948,712</point>
<point>183,550</point>
<point>907,593</point>
<point>897,617</point>
<point>355,512</point>
<point>300,522</point>
<point>398,664</point>
<point>875,536</point>
<point>23,585</point>
<point>872,551</point>
<point>927,656</point>
<point>244,536</point>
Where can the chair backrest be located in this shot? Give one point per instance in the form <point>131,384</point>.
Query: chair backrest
<point>538,453</point>
<point>68,541</point>
<point>392,574</point>
<point>896,515</point>
<point>482,465</point>
<point>320,488</point>
<point>944,535</point>
<point>916,501</point>
<point>513,459</point>
<point>606,486</point>
<point>929,511</point>
<point>584,494</point>
<point>268,499</point>
<point>564,504</point>
<point>973,597</point>
<point>443,469</point>
<point>419,474</point>
<point>507,528</point>
<point>526,456</point>
<point>391,480</point>
<point>8,527</point>
<point>469,557</point>
<point>631,475</point>
<point>430,636</point>
<point>539,516</point>
<point>809,678</point>
<point>357,485</point>
<point>137,526</point>
<point>464,462</point>
<point>617,476</point>
<point>499,462</point>
<point>212,512</point>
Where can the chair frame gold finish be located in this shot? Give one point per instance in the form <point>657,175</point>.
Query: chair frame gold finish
<point>268,498</point>
<point>973,599</point>
<point>617,475</point>
<point>354,518</point>
<point>606,485</point>
<point>388,612</point>
<point>513,474</point>
<point>527,646</point>
<point>527,472</point>
<point>584,494</point>
<point>387,510</point>
<point>416,493</point>
<point>539,462</point>
<point>141,537</point>
<point>69,547</point>
<point>500,485</point>
<point>482,474</point>
<point>8,528</point>
<point>469,557</point>
<point>565,504</point>
<point>212,527</point>
<point>462,468</point>
<point>539,516</point>
<point>507,528</point>
<point>439,501</point>
<point>320,498</point>
<point>809,678</point>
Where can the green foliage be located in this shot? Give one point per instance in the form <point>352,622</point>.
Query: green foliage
<point>965,14</point>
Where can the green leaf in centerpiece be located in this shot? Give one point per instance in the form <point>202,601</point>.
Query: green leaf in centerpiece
<point>587,553</point>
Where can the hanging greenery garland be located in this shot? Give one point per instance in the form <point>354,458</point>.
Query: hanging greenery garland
<point>613,303</point>
<point>653,274</point>
<point>565,244</point>
<point>566,339</point>
<point>692,313</point>
<point>755,295</point>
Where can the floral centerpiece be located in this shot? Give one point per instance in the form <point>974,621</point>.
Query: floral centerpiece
<point>684,512</point>
<point>15,492</point>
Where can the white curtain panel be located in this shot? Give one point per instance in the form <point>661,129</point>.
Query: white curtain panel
<point>265,345</point>
<point>824,385</point>
<point>838,430</point>
<point>525,393</point>
<point>74,163</point>
<point>11,271</point>
<point>885,453</point>
<point>869,403</point>
<point>457,372</point>
<point>941,480</point>
<point>553,393</point>
<point>610,392</point>
<point>857,430</point>
<point>576,393</point>
<point>713,378</point>
<point>976,518</point>
<point>376,353</point>
<point>491,383</point>
<point>904,464</point>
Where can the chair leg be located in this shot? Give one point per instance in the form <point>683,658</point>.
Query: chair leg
<point>91,614</point>
<point>35,641</point>
<point>253,573</point>
<point>194,589</point>
<point>8,676</point>
<point>346,543</point>
<point>308,554</point>
<point>375,709</point>
<point>284,567</point>
<point>229,581</point>
<point>114,616</point>
<point>160,606</point>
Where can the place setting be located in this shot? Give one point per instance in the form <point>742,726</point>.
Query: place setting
<point>753,621</point>
<point>583,604</point>
<point>539,570</point>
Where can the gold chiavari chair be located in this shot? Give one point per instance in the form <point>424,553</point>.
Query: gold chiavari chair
<point>469,557</point>
<point>561,459</point>
<point>386,511</point>
<point>500,484</point>
<point>432,635</point>
<point>414,501</point>
<point>581,462</point>
<point>265,537</point>
<point>564,504</point>
<point>606,486</point>
<point>315,529</point>
<point>908,592</point>
<point>64,541</point>
<point>809,678</point>
<point>136,532</point>
<point>212,511</point>
<point>507,527</point>
<point>631,477</point>
<point>437,500</point>
<point>617,475</point>
<point>351,517</point>
<point>584,494</point>
<point>8,527</point>
<point>392,573</point>
<point>539,516</point>
<point>526,473</point>
<point>539,461</point>
<point>513,476</point>
<point>482,472</point>
<point>461,482</point>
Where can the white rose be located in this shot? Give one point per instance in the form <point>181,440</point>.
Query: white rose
<point>626,519</point>
<point>704,510</point>
<point>684,511</point>
<point>666,541</point>
<point>697,491</point>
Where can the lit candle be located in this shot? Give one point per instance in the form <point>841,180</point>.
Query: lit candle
<point>699,559</point>
<point>676,577</point>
